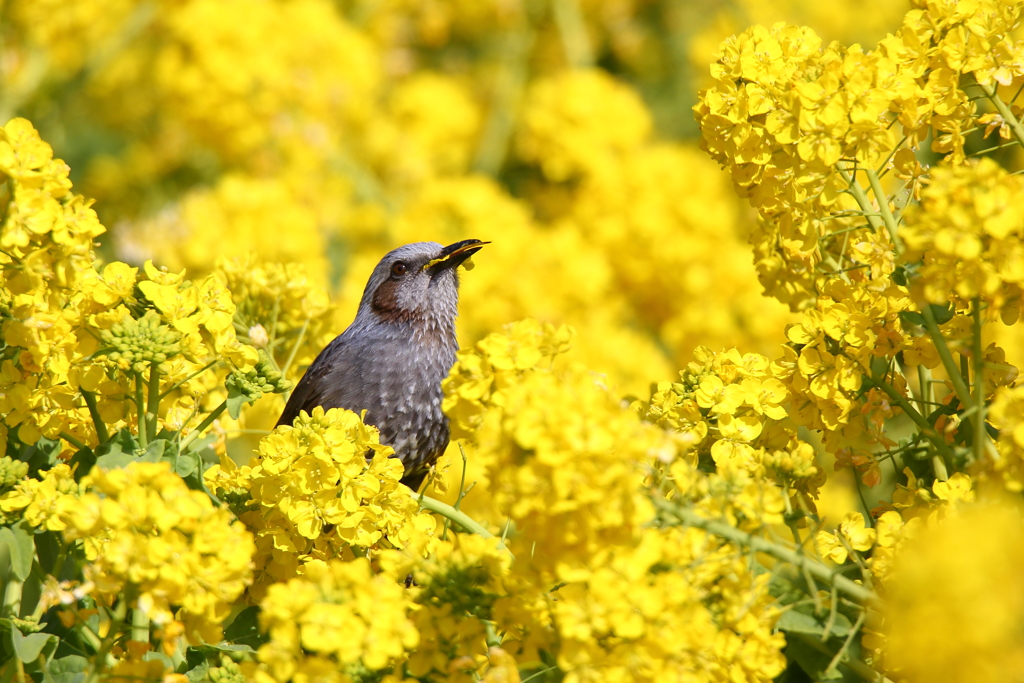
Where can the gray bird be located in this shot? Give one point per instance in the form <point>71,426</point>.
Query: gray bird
<point>392,358</point>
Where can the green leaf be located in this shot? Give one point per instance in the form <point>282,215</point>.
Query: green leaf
<point>154,451</point>
<point>28,648</point>
<point>245,628</point>
<point>798,621</point>
<point>118,452</point>
<point>185,464</point>
<point>899,276</point>
<point>115,461</point>
<point>82,462</point>
<point>161,657</point>
<point>199,672</point>
<point>41,455</point>
<point>810,660</point>
<point>48,547</point>
<point>235,401</point>
<point>69,669</point>
<point>943,314</point>
<point>21,549</point>
<point>912,318</point>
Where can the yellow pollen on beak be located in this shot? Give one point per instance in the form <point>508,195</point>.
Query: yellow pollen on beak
<point>467,264</point>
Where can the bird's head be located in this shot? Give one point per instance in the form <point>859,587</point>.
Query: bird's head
<point>417,283</point>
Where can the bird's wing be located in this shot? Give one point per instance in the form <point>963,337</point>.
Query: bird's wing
<point>309,393</point>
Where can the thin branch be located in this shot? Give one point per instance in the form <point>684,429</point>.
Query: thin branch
<point>883,206</point>
<point>992,92</point>
<point>724,530</point>
<point>962,392</point>
<point>97,421</point>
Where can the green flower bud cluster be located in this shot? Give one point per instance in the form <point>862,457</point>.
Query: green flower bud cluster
<point>26,626</point>
<point>136,343</point>
<point>11,472</point>
<point>262,379</point>
<point>227,672</point>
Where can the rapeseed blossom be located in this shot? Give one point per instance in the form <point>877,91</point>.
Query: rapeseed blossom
<point>644,480</point>
<point>312,494</point>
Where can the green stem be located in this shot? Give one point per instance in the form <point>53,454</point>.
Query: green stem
<point>883,207</point>
<point>849,175</point>
<point>72,440</point>
<point>926,429</point>
<point>140,626</point>
<point>992,92</point>
<point>724,530</point>
<point>572,29</point>
<point>97,421</point>
<point>980,434</point>
<point>295,348</point>
<point>510,83</point>
<point>140,412</point>
<point>924,379</point>
<point>948,363</point>
<point>203,426</point>
<point>457,516</point>
<point>846,646</point>
<point>12,598</point>
<point>462,481</point>
<point>153,401</point>
<point>87,634</point>
<point>101,659</point>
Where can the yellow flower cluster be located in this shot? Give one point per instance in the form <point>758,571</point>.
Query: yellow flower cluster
<point>459,588</point>
<point>568,464</point>
<point>46,245</point>
<point>143,530</point>
<point>968,232</point>
<point>278,307</point>
<point>43,503</point>
<point>579,122</point>
<point>730,410</point>
<point>319,70</point>
<point>830,352</point>
<point>313,494</point>
<point>640,539</point>
<point>796,122</point>
<point>241,215</point>
<point>146,535</point>
<point>338,622</point>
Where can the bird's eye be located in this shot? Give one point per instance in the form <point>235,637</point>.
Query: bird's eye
<point>399,268</point>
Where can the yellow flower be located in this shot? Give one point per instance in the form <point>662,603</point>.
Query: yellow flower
<point>955,490</point>
<point>853,530</point>
<point>830,547</point>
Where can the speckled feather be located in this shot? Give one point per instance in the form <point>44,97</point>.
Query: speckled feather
<point>392,358</point>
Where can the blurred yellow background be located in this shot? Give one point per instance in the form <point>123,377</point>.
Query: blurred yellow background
<point>326,133</point>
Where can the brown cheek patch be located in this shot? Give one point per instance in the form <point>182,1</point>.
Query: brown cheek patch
<point>385,303</point>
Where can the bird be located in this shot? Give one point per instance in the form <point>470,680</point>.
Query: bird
<point>390,361</point>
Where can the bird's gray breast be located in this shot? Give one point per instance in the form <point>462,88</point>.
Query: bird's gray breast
<point>395,375</point>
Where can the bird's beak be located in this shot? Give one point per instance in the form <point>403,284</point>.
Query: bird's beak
<point>454,254</point>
